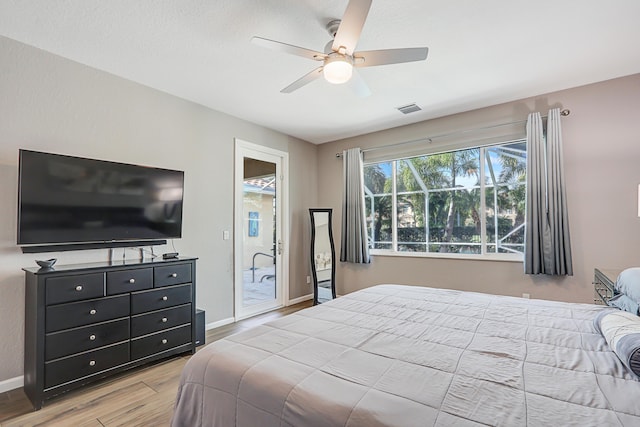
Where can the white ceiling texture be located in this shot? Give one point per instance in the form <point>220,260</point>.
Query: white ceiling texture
<point>481,52</point>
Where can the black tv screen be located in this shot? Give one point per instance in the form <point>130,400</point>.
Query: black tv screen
<point>65,199</point>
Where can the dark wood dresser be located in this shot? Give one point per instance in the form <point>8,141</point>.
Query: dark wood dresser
<point>88,321</point>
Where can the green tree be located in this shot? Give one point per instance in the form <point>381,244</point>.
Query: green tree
<point>513,174</point>
<point>454,165</point>
<point>441,171</point>
<point>377,182</point>
<point>510,186</point>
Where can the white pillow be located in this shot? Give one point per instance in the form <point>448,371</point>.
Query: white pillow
<point>621,330</point>
<point>628,283</point>
<point>625,303</point>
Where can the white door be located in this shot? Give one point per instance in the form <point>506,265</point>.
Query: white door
<point>260,238</point>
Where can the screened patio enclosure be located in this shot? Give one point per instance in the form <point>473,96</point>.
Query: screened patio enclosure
<point>469,201</point>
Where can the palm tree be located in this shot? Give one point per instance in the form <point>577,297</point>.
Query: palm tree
<point>377,182</point>
<point>457,164</point>
<point>513,175</point>
<point>510,187</point>
<point>439,171</point>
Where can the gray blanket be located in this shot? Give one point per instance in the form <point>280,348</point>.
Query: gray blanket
<point>394,355</point>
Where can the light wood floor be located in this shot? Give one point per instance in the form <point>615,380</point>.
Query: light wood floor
<point>141,397</point>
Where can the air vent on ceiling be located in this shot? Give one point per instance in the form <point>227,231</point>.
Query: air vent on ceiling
<point>410,108</point>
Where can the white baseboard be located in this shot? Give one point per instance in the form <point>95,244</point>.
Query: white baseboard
<point>11,384</point>
<point>299,299</point>
<point>219,323</point>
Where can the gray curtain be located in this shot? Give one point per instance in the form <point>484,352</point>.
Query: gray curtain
<point>547,241</point>
<point>354,246</point>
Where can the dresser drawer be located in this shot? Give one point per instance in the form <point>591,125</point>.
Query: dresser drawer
<point>70,315</point>
<point>119,282</point>
<point>158,299</point>
<point>64,343</point>
<point>160,341</point>
<point>74,288</point>
<point>82,365</point>
<point>155,321</point>
<point>173,274</point>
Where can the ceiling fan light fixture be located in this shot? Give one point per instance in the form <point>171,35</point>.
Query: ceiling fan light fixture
<point>337,68</point>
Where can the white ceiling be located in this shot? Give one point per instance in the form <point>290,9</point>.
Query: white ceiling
<point>480,53</point>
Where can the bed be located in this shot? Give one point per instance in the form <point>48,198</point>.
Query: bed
<point>394,355</point>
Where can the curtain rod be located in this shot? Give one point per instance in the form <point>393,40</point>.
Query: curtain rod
<point>430,139</point>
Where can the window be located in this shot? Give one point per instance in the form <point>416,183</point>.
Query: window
<point>469,201</point>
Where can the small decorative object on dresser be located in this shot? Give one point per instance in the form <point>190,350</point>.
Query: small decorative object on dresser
<point>47,263</point>
<point>89,321</point>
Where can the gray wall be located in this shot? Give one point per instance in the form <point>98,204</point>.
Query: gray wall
<point>52,104</point>
<point>601,154</point>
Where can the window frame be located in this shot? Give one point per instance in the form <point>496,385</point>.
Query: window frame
<point>484,255</point>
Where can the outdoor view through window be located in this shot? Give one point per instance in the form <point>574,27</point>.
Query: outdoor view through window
<point>469,201</point>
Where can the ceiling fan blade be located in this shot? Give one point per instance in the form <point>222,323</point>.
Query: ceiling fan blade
<point>307,78</point>
<point>359,86</point>
<point>370,58</point>
<point>288,48</point>
<point>350,28</point>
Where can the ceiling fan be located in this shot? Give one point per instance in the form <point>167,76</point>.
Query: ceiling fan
<point>339,55</point>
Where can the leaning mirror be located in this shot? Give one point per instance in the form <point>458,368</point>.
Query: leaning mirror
<point>323,266</point>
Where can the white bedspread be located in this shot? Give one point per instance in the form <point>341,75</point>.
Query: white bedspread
<point>394,355</point>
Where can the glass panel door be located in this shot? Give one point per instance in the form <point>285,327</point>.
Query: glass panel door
<point>259,243</point>
<point>259,232</point>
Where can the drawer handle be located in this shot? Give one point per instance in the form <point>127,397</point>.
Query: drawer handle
<point>174,274</point>
<point>79,288</point>
<point>92,337</point>
<point>132,281</point>
<point>164,320</point>
<point>93,311</point>
<point>165,298</point>
<point>92,363</point>
<point>164,341</point>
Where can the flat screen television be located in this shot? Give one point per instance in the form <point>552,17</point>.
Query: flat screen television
<point>70,200</point>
